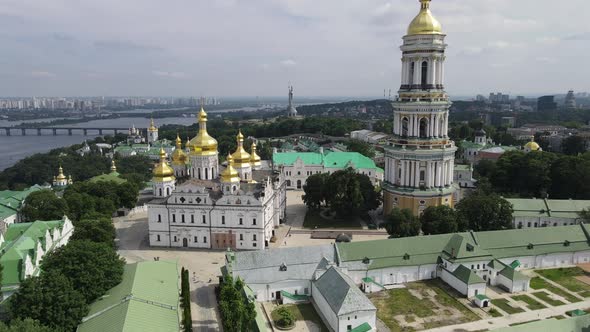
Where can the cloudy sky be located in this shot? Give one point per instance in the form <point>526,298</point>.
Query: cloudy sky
<point>255,47</point>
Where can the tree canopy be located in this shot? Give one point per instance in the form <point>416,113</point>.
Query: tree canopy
<point>25,325</point>
<point>100,230</point>
<point>44,205</point>
<point>483,212</point>
<point>401,223</point>
<point>440,220</point>
<point>237,313</point>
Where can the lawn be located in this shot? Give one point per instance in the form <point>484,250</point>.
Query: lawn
<point>505,306</point>
<point>545,297</point>
<point>538,283</point>
<point>313,220</point>
<point>566,277</point>
<point>447,297</point>
<point>304,311</point>
<point>494,313</point>
<point>531,303</point>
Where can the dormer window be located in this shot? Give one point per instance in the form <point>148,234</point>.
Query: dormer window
<point>530,246</point>
<point>406,257</point>
<point>283,267</point>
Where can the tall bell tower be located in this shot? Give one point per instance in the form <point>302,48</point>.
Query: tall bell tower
<point>420,160</point>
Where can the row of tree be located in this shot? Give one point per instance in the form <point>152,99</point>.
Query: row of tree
<point>345,192</point>
<point>72,277</point>
<point>538,174</point>
<point>478,212</point>
<point>80,200</point>
<point>185,301</point>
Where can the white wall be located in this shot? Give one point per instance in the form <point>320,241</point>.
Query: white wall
<point>267,292</point>
<point>324,309</point>
<point>355,319</point>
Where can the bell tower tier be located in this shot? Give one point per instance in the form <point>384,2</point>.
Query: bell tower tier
<point>419,161</point>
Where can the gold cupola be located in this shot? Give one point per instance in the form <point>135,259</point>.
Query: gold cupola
<point>113,166</point>
<point>230,174</point>
<point>254,157</point>
<point>424,23</point>
<point>152,126</point>
<point>203,144</point>
<point>178,156</point>
<point>162,172</point>
<point>241,157</point>
<point>60,174</point>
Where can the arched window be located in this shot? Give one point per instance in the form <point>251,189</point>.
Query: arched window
<point>199,173</point>
<point>412,69</point>
<point>424,80</point>
<point>212,173</point>
<point>160,191</point>
<point>423,127</point>
<point>405,126</point>
<point>206,174</point>
<point>168,191</point>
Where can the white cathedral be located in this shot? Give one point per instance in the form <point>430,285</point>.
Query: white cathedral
<point>236,207</point>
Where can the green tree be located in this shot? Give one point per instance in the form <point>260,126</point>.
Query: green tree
<point>573,145</point>
<point>51,299</point>
<point>79,205</point>
<point>355,145</point>
<point>315,190</point>
<point>25,325</point>
<point>483,212</point>
<point>44,205</point>
<point>236,314</point>
<point>439,220</point>
<point>401,223</point>
<point>344,193</point>
<point>285,317</point>
<point>99,230</point>
<point>92,267</point>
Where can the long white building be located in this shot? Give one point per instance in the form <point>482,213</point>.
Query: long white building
<point>197,205</point>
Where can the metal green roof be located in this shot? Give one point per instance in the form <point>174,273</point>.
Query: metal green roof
<point>328,160</point>
<point>11,200</point>
<point>512,274</point>
<point>147,300</point>
<point>21,240</point>
<point>364,327</point>
<point>113,176</point>
<point>467,276</point>
<point>536,207</point>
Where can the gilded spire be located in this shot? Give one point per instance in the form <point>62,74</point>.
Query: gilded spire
<point>178,156</point>
<point>60,173</point>
<point>424,23</point>
<point>254,157</point>
<point>178,142</point>
<point>152,126</point>
<point>162,172</point>
<point>241,157</point>
<point>203,144</point>
<point>113,166</point>
<point>230,174</point>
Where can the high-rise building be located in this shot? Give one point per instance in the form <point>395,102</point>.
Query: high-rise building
<point>570,100</point>
<point>546,103</point>
<point>420,160</point>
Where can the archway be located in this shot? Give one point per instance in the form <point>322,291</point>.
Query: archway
<point>185,242</point>
<point>423,128</point>
<point>424,78</point>
<point>298,184</point>
<point>405,126</point>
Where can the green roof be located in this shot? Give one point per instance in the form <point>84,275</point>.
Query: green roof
<point>328,160</point>
<point>467,276</point>
<point>535,207</point>
<point>364,327</point>
<point>294,297</point>
<point>481,297</point>
<point>112,176</point>
<point>11,200</point>
<point>574,324</point>
<point>513,274</point>
<point>21,240</point>
<point>146,300</point>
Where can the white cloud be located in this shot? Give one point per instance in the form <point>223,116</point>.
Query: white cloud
<point>41,74</point>
<point>288,63</point>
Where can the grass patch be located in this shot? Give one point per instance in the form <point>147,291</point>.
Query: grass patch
<point>505,306</point>
<point>303,311</point>
<point>410,318</point>
<point>538,283</point>
<point>521,323</point>
<point>447,297</point>
<point>545,298</point>
<point>494,313</point>
<point>313,220</point>
<point>531,303</point>
<point>558,317</point>
<point>566,277</point>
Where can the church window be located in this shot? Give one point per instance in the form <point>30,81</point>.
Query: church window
<point>196,239</point>
<point>173,217</point>
<point>241,237</point>
<point>205,220</point>
<point>175,238</point>
<point>254,221</point>
<point>159,218</point>
<point>192,218</point>
<point>405,126</point>
<point>254,244</point>
<point>423,128</point>
<point>204,239</point>
<point>182,218</point>
<point>421,175</point>
<point>223,220</point>
<point>241,221</point>
<point>182,199</point>
<point>158,238</point>
<point>424,80</point>
<point>167,191</point>
<point>253,237</point>
<point>160,191</point>
<point>298,173</point>
<point>412,69</point>
<point>198,200</point>
<point>206,174</point>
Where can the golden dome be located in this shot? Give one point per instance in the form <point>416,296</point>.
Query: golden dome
<point>532,146</point>
<point>203,144</point>
<point>424,23</point>
<point>178,156</point>
<point>230,174</point>
<point>162,172</point>
<point>152,126</point>
<point>60,175</point>
<point>254,157</point>
<point>113,166</point>
<point>241,157</point>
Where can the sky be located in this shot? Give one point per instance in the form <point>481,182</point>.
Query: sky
<point>257,47</point>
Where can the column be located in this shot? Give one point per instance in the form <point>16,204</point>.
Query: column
<point>405,71</point>
<point>403,168</point>
<point>451,164</point>
<point>417,68</point>
<point>445,125</point>
<point>417,174</point>
<point>427,174</point>
<point>417,126</point>
<point>430,71</point>
<point>431,126</point>
<point>434,69</point>
<point>438,173</point>
<point>435,125</point>
<point>393,164</point>
<point>442,72</point>
<point>438,72</point>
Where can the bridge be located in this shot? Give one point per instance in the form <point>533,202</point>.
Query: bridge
<point>39,131</point>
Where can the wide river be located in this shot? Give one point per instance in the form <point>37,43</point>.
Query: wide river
<point>15,147</point>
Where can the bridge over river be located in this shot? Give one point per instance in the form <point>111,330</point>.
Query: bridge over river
<point>39,131</point>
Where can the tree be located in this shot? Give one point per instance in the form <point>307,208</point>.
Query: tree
<point>439,220</point>
<point>573,145</point>
<point>25,325</point>
<point>93,268</point>
<point>99,230</point>
<point>402,223</point>
<point>79,205</point>
<point>483,212</point>
<point>44,205</point>
<point>585,216</point>
<point>236,314</point>
<point>51,299</point>
<point>355,145</point>
<point>344,193</point>
<point>372,198</point>
<point>315,190</point>
<point>285,317</point>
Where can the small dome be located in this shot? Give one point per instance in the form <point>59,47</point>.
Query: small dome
<point>480,132</point>
<point>240,156</point>
<point>162,172</point>
<point>424,23</point>
<point>230,174</point>
<point>254,157</point>
<point>203,144</point>
<point>60,175</point>
<point>152,126</point>
<point>179,158</point>
<point>532,146</point>
<point>343,238</point>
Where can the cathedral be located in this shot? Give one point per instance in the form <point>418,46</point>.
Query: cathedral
<point>419,162</point>
<point>200,204</point>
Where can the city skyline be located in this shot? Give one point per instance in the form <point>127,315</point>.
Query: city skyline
<point>333,48</point>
